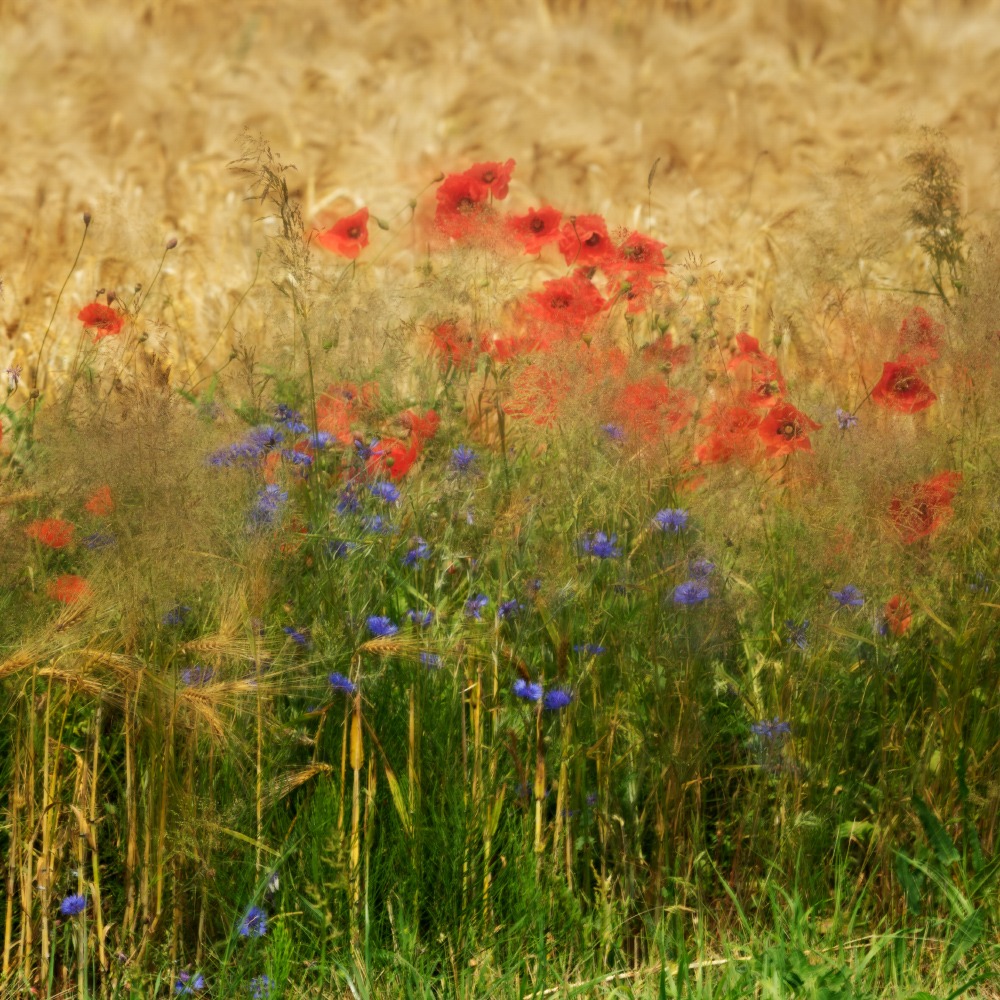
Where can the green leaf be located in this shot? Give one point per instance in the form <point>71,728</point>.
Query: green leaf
<point>910,888</point>
<point>968,932</point>
<point>943,845</point>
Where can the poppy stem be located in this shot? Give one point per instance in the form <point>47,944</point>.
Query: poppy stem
<point>142,301</point>
<point>55,308</point>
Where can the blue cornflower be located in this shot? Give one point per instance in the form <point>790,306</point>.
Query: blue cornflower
<point>589,649</point>
<point>254,923</point>
<point>268,501</point>
<point>99,540</point>
<point>420,618</point>
<point>365,451</point>
<point>265,438</point>
<point>72,905</point>
<point>421,551</point>
<point>462,458</point>
<point>347,502</point>
<point>849,597</point>
<point>320,439</point>
<point>509,608</point>
<point>670,519</point>
<point>534,586</point>
<point>470,516</point>
<point>430,660</point>
<point>526,690</point>
<point>341,683</point>
<point>261,987</point>
<point>376,526</point>
<point>298,637</point>
<point>474,605</point>
<point>557,699</point>
<point>592,799</point>
<point>284,412</point>
<point>187,984</point>
<point>297,457</point>
<point>980,583</point>
<point>770,729</point>
<point>197,675</point>
<point>797,633</point>
<point>701,569</point>
<point>381,626</point>
<point>690,592</point>
<point>340,549</point>
<point>613,431</point>
<point>296,426</point>
<point>601,546</point>
<point>385,491</point>
<point>846,420</point>
<point>176,616</point>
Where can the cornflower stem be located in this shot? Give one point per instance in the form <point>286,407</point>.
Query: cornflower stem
<point>45,883</point>
<point>539,787</point>
<point>55,308</point>
<point>357,761</point>
<point>94,856</point>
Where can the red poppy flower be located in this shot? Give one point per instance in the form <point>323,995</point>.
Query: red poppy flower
<point>393,457</point>
<point>584,240</point>
<point>422,429</point>
<point>461,206</point>
<point>101,318</point>
<point>901,389</point>
<point>767,384</point>
<point>457,348</point>
<point>733,435</point>
<point>495,177</point>
<point>536,393</point>
<point>785,430</point>
<point>535,229</point>
<point>653,409</point>
<point>347,237</point>
<point>334,411</point>
<point>566,302</point>
<point>748,349</point>
<point>898,615</point>
<point>507,348</point>
<point>663,352</point>
<point>638,256</point>
<point>100,502</point>
<point>927,508</point>
<point>635,293</point>
<point>53,533</point>
<point>920,338</point>
<point>68,588</point>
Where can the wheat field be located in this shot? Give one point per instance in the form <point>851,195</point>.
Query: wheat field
<point>775,126</point>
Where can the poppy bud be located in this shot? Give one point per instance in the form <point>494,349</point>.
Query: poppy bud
<point>171,243</point>
<point>144,338</point>
<point>86,218</point>
<point>138,287</point>
<point>439,178</point>
<point>714,300</point>
<point>413,204</point>
<point>111,297</point>
<point>382,224</point>
<point>389,461</point>
<point>327,344</point>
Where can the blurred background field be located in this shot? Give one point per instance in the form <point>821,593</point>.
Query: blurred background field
<point>779,126</point>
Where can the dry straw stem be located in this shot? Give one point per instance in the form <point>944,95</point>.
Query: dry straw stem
<point>744,102</point>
